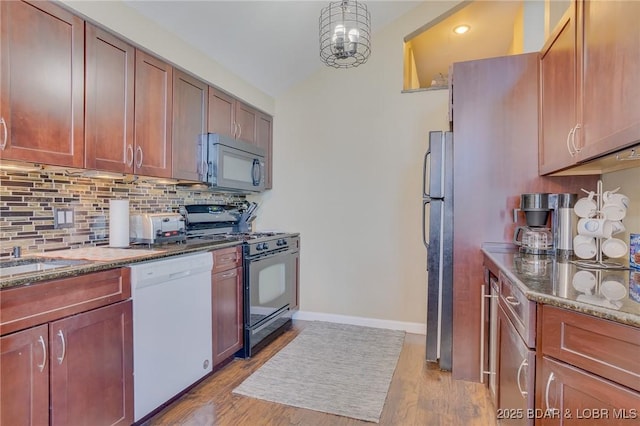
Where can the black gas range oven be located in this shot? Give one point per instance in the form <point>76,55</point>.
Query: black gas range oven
<point>270,268</point>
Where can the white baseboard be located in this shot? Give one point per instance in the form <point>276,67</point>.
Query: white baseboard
<point>409,327</point>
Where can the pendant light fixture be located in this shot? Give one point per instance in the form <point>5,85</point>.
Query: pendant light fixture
<point>345,34</point>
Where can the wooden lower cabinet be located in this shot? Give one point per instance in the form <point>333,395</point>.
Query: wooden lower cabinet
<point>91,358</point>
<point>569,395</point>
<point>227,304</point>
<point>24,377</point>
<point>80,366</point>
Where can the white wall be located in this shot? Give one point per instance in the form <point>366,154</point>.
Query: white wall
<point>348,153</point>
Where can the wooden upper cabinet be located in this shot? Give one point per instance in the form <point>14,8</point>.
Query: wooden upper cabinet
<point>558,112</point>
<point>590,84</point>
<point>610,77</point>
<point>190,99</point>
<point>222,113</point>
<point>108,102</point>
<point>42,84</point>
<point>231,117</point>
<point>153,121</point>
<point>264,139</point>
<point>246,121</point>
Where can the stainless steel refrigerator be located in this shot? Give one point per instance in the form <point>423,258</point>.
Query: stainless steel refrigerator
<point>437,212</point>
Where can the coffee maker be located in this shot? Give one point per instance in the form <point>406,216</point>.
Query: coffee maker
<point>550,224</point>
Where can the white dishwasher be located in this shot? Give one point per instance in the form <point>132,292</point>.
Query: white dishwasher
<point>172,329</point>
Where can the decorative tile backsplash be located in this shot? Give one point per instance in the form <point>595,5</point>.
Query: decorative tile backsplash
<point>28,199</point>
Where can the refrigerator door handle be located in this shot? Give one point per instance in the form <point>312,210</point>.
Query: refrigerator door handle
<point>424,227</point>
<point>427,156</point>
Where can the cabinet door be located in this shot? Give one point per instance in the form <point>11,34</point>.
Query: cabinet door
<point>227,299</point>
<point>108,102</point>
<point>221,113</point>
<point>153,99</point>
<point>42,84</point>
<point>558,113</point>
<point>189,124</point>
<point>516,374</point>
<point>246,120</point>
<point>264,139</point>
<point>611,76</point>
<point>24,382</point>
<point>577,397</point>
<point>92,367</point>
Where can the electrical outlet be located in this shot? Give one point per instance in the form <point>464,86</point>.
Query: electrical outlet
<point>63,218</point>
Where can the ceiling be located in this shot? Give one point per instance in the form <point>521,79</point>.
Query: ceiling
<point>270,44</point>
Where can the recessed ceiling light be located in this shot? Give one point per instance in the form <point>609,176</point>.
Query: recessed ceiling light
<point>461,29</point>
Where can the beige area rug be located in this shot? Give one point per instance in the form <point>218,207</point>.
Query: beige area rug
<point>334,368</point>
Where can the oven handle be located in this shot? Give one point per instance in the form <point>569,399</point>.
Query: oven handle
<point>268,256</point>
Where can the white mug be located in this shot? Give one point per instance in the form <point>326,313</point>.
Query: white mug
<point>615,206</point>
<point>586,206</point>
<point>614,247</point>
<point>617,227</point>
<point>595,227</point>
<point>584,247</point>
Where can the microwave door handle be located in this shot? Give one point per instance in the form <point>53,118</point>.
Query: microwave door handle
<point>255,171</point>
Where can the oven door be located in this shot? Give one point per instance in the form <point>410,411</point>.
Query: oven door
<point>270,285</point>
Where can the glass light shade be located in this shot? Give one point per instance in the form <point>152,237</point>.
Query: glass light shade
<point>345,33</point>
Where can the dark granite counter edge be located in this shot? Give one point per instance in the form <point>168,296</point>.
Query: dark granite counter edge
<point>95,266</point>
<point>597,311</point>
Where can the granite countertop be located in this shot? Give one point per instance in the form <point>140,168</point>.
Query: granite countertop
<point>145,253</point>
<point>613,294</point>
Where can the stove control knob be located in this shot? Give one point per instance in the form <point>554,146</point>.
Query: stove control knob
<point>259,246</point>
<point>265,246</point>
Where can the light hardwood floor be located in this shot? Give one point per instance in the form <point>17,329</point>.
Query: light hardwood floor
<point>419,394</point>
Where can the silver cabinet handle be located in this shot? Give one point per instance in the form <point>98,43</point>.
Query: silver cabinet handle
<point>229,274</point>
<point>239,131</point>
<point>64,347</point>
<point>482,313</point>
<point>5,133</point>
<point>573,139</point>
<point>44,354</point>
<point>512,300</point>
<point>569,135</point>
<point>546,392</point>
<point>235,130</point>
<point>139,162</point>
<point>523,364</point>
<point>129,160</point>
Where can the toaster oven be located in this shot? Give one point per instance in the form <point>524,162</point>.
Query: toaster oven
<point>157,228</point>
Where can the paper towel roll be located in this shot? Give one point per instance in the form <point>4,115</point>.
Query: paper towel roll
<point>118,223</point>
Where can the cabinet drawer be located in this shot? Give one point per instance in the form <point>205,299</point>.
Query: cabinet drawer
<point>26,306</point>
<point>228,258</point>
<point>520,310</point>
<point>597,345</point>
